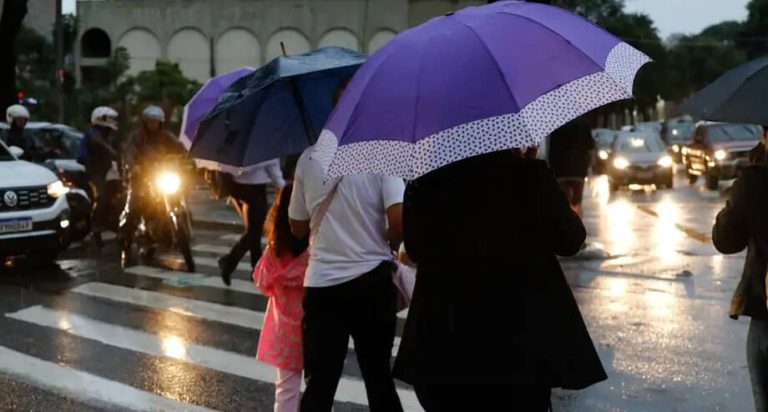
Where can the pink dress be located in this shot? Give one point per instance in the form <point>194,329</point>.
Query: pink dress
<point>282,280</point>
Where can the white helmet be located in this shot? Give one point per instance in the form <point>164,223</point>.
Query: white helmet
<point>104,116</point>
<point>153,113</point>
<point>16,111</point>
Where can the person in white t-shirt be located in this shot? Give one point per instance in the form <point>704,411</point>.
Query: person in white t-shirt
<point>348,284</point>
<point>249,194</point>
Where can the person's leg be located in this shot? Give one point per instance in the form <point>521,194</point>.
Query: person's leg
<point>325,337</point>
<point>373,320</point>
<point>287,391</point>
<point>228,263</point>
<point>98,214</point>
<point>257,214</point>
<point>757,360</point>
<point>129,220</point>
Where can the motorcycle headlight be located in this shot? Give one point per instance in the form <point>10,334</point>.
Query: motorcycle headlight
<point>57,189</point>
<point>602,155</point>
<point>721,154</point>
<point>621,163</point>
<point>665,161</point>
<point>676,148</point>
<point>169,183</point>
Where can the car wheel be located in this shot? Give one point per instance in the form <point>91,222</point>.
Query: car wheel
<point>692,179</point>
<point>712,182</point>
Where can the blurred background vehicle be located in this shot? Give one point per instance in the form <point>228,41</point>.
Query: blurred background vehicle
<point>603,139</point>
<point>718,151</point>
<point>639,157</point>
<point>677,133</point>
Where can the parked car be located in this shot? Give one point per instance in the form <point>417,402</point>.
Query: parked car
<point>718,151</point>
<point>61,143</point>
<point>639,157</point>
<point>34,214</point>
<point>603,139</point>
<point>677,133</point>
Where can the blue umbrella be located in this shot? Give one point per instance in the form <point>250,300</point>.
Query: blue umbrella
<point>276,111</point>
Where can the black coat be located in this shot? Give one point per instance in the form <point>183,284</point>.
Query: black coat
<point>743,223</point>
<point>491,303</point>
<point>101,149</point>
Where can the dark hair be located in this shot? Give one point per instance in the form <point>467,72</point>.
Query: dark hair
<point>278,226</point>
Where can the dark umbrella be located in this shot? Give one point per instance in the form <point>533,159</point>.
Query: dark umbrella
<point>275,111</point>
<point>738,96</point>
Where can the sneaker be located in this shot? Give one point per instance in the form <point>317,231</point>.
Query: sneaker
<point>226,266</point>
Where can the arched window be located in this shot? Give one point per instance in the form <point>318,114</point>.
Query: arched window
<point>95,43</point>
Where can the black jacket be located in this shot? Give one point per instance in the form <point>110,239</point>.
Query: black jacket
<point>101,149</point>
<point>743,223</point>
<point>144,150</point>
<point>491,303</point>
<point>570,150</point>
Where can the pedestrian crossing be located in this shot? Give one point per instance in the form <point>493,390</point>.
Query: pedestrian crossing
<point>197,328</point>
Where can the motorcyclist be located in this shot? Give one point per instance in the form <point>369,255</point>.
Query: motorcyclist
<point>150,144</point>
<point>99,156</point>
<point>17,117</point>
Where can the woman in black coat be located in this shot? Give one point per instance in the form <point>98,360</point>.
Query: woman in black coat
<point>493,324</point>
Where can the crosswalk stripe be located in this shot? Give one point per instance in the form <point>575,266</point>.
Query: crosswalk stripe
<point>213,263</point>
<point>231,315</point>
<point>349,390</point>
<point>194,279</point>
<point>86,387</point>
<point>207,248</point>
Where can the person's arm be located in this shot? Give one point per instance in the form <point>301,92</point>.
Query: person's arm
<point>276,173</point>
<point>564,230</point>
<point>392,192</point>
<point>298,213</point>
<point>730,233</point>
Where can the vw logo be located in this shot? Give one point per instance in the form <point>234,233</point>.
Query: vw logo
<point>10,198</point>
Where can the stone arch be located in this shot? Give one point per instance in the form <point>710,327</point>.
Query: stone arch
<point>95,43</point>
<point>295,43</point>
<point>144,48</point>
<point>235,48</point>
<point>379,39</point>
<point>191,49</point>
<point>340,37</point>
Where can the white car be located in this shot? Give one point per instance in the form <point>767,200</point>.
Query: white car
<point>34,214</point>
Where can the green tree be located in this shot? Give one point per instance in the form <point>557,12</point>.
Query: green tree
<point>167,87</point>
<point>753,38</point>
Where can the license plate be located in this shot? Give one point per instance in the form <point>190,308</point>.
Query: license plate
<point>15,225</point>
<point>644,175</point>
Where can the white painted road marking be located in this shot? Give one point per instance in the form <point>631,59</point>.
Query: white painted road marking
<point>217,249</point>
<point>196,279</point>
<point>349,390</point>
<point>213,263</point>
<point>85,387</point>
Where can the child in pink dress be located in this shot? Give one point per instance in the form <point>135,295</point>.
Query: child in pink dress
<point>280,275</point>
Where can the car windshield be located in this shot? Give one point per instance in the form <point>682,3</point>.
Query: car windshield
<point>733,132</point>
<point>680,132</point>
<point>604,138</point>
<point>5,155</point>
<point>638,143</point>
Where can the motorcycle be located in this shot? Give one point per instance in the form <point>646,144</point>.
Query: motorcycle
<point>166,221</point>
<point>79,198</point>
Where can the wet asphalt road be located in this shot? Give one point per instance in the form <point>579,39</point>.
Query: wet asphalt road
<point>84,335</point>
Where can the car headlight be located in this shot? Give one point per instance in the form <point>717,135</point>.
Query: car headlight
<point>602,155</point>
<point>620,163</point>
<point>684,150</point>
<point>665,161</point>
<point>169,182</point>
<point>721,154</point>
<point>57,189</point>
<point>676,148</point>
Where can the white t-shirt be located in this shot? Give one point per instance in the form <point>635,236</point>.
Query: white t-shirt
<point>261,174</point>
<point>351,240</point>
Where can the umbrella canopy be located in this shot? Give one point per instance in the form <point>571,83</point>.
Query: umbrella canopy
<point>277,110</point>
<point>204,100</point>
<point>738,96</point>
<point>476,81</point>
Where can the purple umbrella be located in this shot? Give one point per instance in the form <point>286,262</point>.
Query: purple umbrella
<point>204,100</point>
<point>479,80</point>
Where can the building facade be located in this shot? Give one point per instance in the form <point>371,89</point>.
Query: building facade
<point>209,37</point>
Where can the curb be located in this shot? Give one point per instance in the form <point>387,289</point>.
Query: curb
<point>218,225</point>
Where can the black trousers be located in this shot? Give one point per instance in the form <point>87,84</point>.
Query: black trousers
<point>484,396</point>
<point>98,184</point>
<point>363,308</point>
<point>252,201</point>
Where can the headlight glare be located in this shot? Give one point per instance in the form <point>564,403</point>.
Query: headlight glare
<point>169,182</point>
<point>57,189</point>
<point>621,163</point>
<point>721,154</point>
<point>665,161</point>
<point>602,155</point>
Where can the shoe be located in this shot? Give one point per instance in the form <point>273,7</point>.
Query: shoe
<point>226,266</point>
